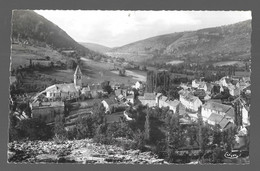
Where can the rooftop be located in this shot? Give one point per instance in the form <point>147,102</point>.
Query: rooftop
<point>219,107</point>
<point>62,88</point>
<point>110,101</point>
<point>215,118</point>
<point>78,71</point>
<point>149,96</point>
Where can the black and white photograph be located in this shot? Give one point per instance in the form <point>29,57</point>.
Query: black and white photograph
<point>141,87</point>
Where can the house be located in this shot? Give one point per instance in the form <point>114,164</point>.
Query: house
<point>138,85</point>
<point>225,81</point>
<point>247,90</point>
<point>185,86</point>
<point>47,111</point>
<point>110,105</point>
<point>221,109</point>
<point>148,99</point>
<point>190,101</point>
<point>64,91</point>
<point>117,86</point>
<point>241,74</point>
<point>233,90</point>
<point>218,119</point>
<point>242,85</point>
<point>164,102</point>
<point>130,99</point>
<point>86,92</point>
<point>121,92</point>
<point>195,83</point>
<point>96,90</point>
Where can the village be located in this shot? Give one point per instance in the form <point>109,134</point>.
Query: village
<point>193,100</point>
<point>182,97</point>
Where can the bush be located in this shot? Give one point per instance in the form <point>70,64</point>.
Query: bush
<point>13,132</point>
<point>60,134</point>
<point>34,129</point>
<point>85,127</point>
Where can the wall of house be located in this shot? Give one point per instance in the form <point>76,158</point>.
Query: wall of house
<point>106,106</point>
<point>47,114</point>
<point>190,105</point>
<point>150,103</point>
<point>53,94</point>
<point>245,117</point>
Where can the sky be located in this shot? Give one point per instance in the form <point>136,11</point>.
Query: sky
<point>118,28</point>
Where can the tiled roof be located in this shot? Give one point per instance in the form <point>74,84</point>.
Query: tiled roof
<point>62,88</point>
<point>191,98</point>
<point>110,101</point>
<point>95,87</point>
<point>173,103</point>
<point>215,118</point>
<point>38,104</point>
<point>217,106</point>
<point>242,74</point>
<point>223,123</point>
<point>149,96</point>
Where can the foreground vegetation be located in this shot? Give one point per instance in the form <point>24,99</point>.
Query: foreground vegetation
<point>153,129</point>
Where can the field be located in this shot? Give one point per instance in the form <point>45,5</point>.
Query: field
<point>227,63</point>
<point>21,55</point>
<point>96,72</point>
<point>93,72</point>
<point>175,62</point>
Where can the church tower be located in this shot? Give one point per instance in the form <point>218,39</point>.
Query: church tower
<point>78,77</point>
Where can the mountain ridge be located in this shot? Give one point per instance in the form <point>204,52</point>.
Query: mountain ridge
<point>32,27</point>
<point>95,47</point>
<point>216,43</point>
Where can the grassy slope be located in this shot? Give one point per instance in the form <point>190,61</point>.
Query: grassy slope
<point>97,72</point>
<point>226,42</point>
<point>96,47</point>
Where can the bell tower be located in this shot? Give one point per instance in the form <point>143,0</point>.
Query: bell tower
<point>78,77</point>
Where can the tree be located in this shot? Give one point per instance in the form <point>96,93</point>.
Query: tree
<point>122,72</point>
<point>13,132</point>
<point>85,127</point>
<point>139,140</point>
<point>147,129</point>
<point>71,64</point>
<point>34,129</point>
<point>238,114</point>
<point>175,137</point>
<point>59,129</point>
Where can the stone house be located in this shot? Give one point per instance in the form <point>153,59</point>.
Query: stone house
<point>190,101</point>
<point>148,99</point>
<point>46,111</point>
<point>64,91</point>
<point>220,120</point>
<point>110,105</point>
<point>211,107</point>
<point>130,99</point>
<point>162,101</point>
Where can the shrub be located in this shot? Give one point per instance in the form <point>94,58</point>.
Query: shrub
<point>34,129</point>
<point>60,134</point>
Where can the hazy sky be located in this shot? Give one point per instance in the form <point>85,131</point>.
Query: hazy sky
<point>117,28</point>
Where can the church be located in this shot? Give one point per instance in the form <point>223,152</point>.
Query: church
<point>65,90</point>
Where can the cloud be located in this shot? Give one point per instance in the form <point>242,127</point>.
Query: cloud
<point>116,28</point>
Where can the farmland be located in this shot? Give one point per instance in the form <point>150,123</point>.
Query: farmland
<point>227,63</point>
<point>96,72</point>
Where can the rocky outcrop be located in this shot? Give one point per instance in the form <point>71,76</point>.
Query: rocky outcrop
<point>76,151</point>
